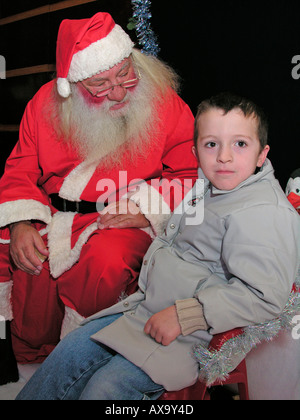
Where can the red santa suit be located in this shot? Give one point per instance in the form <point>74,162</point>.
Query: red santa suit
<point>88,269</point>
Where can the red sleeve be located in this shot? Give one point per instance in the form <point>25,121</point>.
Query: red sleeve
<point>20,196</point>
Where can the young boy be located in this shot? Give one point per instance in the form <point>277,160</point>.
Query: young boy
<point>234,268</point>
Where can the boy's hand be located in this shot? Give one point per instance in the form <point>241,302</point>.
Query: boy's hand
<point>164,326</point>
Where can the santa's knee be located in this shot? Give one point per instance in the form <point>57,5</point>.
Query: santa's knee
<point>107,271</point>
<point>111,268</point>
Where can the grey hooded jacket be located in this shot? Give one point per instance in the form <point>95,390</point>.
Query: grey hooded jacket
<point>239,260</point>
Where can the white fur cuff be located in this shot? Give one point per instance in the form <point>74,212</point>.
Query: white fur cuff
<point>15,211</point>
<point>152,205</point>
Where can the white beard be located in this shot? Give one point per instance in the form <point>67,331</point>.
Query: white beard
<point>96,132</point>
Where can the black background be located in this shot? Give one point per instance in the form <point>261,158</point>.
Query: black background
<point>244,47</point>
<point>239,46</point>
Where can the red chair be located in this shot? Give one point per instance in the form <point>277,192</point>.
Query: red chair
<point>199,391</point>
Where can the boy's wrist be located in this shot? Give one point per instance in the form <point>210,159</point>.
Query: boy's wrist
<point>190,315</point>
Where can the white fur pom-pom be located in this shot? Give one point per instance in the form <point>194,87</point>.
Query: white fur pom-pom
<point>63,87</point>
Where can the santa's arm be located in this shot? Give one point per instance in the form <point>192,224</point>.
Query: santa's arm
<point>20,196</point>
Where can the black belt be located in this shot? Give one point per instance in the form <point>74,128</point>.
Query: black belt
<point>82,207</point>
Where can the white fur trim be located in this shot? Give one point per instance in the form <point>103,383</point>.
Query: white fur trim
<point>77,180</point>
<point>61,256</point>
<point>149,231</point>
<point>63,87</point>
<point>100,55</point>
<point>153,206</point>
<point>71,321</point>
<point>5,300</point>
<point>15,211</point>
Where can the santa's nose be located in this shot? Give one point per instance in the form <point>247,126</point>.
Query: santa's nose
<point>117,93</point>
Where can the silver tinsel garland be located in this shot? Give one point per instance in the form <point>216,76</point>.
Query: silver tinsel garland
<point>141,18</point>
<point>217,364</point>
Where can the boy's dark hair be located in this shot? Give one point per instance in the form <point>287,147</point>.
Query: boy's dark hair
<point>227,102</point>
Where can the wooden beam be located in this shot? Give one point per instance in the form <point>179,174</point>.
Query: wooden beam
<point>9,127</point>
<point>48,8</point>
<point>43,68</point>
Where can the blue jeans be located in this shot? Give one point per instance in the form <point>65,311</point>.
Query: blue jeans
<point>80,368</point>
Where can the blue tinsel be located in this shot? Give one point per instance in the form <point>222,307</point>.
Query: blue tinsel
<point>147,38</point>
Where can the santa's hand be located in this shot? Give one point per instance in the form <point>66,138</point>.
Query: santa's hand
<point>25,246</point>
<point>164,326</point>
<point>122,214</point>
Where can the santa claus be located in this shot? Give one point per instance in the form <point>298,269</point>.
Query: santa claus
<point>104,155</point>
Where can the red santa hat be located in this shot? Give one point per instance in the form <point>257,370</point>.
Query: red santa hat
<point>86,47</point>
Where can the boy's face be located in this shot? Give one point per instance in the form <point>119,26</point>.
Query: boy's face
<point>228,147</point>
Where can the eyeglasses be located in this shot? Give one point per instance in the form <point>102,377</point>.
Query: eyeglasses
<point>106,91</point>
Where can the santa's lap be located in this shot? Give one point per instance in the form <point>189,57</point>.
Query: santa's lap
<point>108,268</point>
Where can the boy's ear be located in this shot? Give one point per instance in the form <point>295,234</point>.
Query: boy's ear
<point>263,156</point>
<point>195,152</point>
